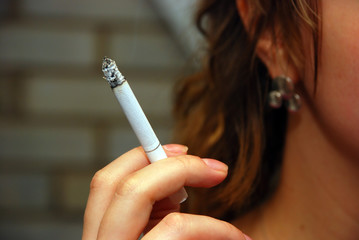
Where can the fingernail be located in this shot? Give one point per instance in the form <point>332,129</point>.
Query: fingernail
<point>246,237</point>
<point>176,148</point>
<point>215,164</point>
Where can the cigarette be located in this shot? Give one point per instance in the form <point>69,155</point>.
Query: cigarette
<point>137,118</point>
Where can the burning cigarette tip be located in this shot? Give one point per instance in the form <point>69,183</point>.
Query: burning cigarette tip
<point>111,72</point>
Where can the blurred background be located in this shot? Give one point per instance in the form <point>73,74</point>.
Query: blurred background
<point>59,121</point>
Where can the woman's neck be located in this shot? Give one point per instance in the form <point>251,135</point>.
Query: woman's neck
<point>318,195</point>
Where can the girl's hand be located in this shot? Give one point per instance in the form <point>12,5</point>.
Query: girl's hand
<point>129,196</point>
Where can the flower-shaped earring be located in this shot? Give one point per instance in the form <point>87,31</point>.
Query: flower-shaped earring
<point>283,91</point>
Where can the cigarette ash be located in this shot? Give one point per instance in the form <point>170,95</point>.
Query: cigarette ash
<point>111,72</point>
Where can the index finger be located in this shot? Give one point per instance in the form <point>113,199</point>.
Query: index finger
<point>104,183</point>
<point>130,209</point>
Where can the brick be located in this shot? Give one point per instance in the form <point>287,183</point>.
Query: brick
<point>5,95</point>
<point>124,139</point>
<point>45,145</point>
<point>24,191</point>
<point>69,96</point>
<point>93,97</point>
<point>75,190</point>
<point>22,45</point>
<point>105,9</point>
<point>145,50</point>
<point>35,230</point>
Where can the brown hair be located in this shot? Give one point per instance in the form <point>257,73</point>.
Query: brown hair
<point>222,111</point>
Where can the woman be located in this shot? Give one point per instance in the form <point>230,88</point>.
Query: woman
<point>290,175</point>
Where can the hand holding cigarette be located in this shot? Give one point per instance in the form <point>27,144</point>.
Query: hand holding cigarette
<point>137,118</point>
<point>130,196</point>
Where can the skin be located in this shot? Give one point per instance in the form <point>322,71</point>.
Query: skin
<point>129,196</point>
<point>318,194</point>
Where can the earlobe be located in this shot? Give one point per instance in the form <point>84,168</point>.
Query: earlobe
<point>274,57</point>
<point>268,53</point>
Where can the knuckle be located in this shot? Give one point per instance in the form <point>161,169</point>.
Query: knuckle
<point>186,161</point>
<point>129,186</point>
<point>175,221</point>
<point>101,179</point>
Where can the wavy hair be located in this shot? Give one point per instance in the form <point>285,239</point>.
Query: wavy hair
<point>221,111</point>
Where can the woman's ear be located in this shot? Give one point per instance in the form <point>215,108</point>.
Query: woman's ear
<point>268,49</point>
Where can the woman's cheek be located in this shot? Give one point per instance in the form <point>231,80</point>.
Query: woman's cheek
<point>337,97</point>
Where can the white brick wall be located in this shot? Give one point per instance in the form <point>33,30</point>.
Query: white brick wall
<point>93,97</point>
<point>148,51</point>
<point>95,9</point>
<point>19,191</point>
<point>35,230</point>
<point>46,145</point>
<point>22,45</point>
<point>59,120</point>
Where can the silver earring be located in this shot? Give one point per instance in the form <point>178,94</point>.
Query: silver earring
<point>283,90</point>
<point>294,103</point>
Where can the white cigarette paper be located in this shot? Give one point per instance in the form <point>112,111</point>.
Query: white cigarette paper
<point>137,118</point>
